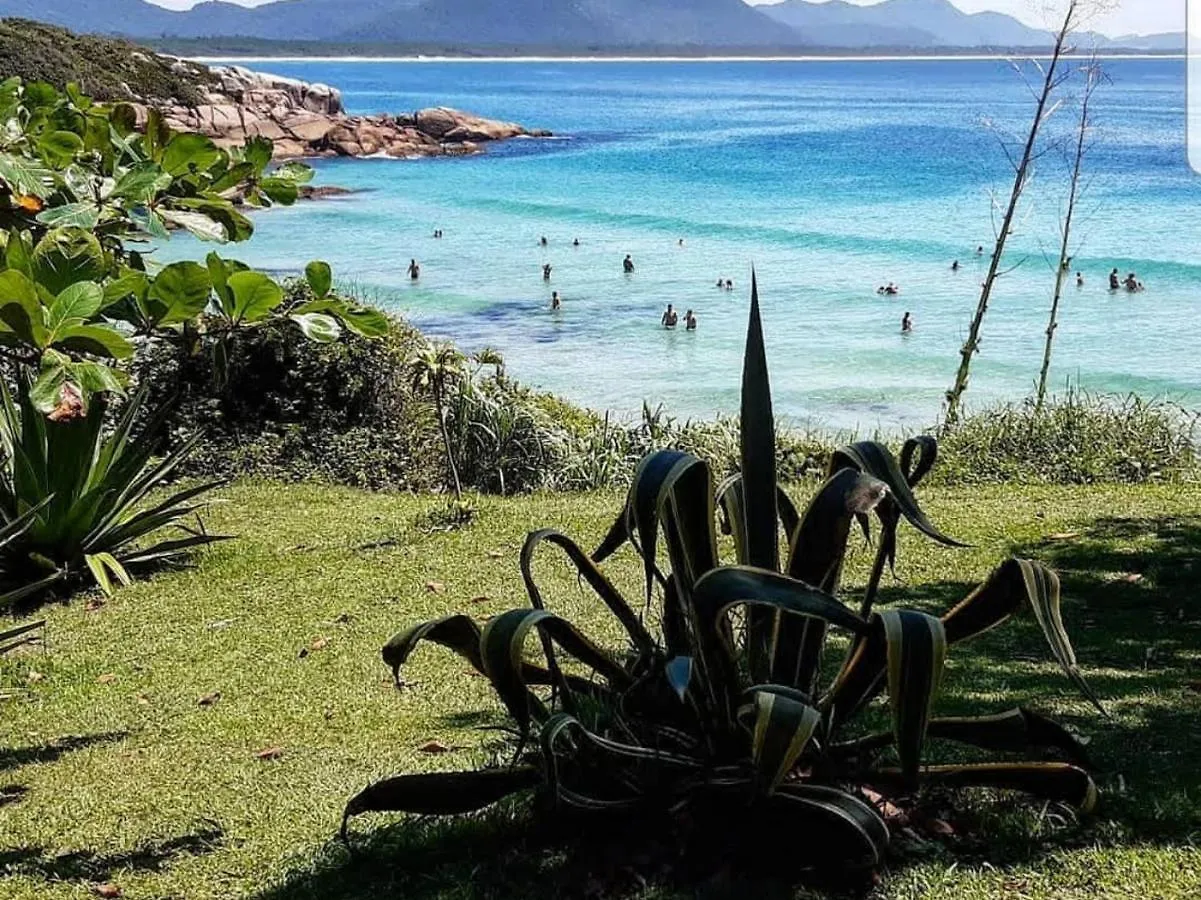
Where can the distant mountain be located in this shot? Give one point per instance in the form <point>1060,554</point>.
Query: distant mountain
<point>1172,42</point>
<point>917,24</point>
<point>511,24</point>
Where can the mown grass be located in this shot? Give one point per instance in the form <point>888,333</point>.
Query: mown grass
<point>112,770</point>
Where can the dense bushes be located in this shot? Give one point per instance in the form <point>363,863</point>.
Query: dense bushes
<point>346,413</point>
<point>103,68</point>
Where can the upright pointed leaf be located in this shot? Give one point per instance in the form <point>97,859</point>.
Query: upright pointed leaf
<point>917,648</point>
<point>781,728</point>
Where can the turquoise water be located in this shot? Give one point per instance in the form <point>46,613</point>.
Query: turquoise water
<point>831,178</point>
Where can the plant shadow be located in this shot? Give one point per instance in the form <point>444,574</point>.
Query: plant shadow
<point>89,866</point>
<point>16,757</point>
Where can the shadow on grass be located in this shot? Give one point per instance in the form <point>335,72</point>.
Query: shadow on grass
<point>1131,603</point>
<point>16,757</point>
<point>510,852</point>
<point>86,865</point>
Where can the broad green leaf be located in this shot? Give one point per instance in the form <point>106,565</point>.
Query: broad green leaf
<point>18,253</point>
<point>21,309</point>
<point>318,327</point>
<point>280,190</point>
<point>189,152</point>
<point>296,172</point>
<point>362,320</point>
<point>59,147</point>
<point>75,215</point>
<point>197,223</point>
<point>255,296</point>
<point>131,283</point>
<point>26,176</point>
<point>149,222</point>
<point>46,390</point>
<point>141,183</point>
<point>320,278</point>
<point>96,377</point>
<point>98,340</point>
<point>183,289</point>
<point>258,152</point>
<point>66,256</point>
<point>80,301</point>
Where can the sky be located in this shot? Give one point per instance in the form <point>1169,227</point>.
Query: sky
<point>1130,16</point>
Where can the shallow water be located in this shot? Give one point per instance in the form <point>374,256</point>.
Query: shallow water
<point>831,178</point>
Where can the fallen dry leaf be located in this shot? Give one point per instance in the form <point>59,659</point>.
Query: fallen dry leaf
<point>35,677</point>
<point>435,587</point>
<point>108,889</point>
<point>433,747</point>
<point>106,678</point>
<point>209,699</point>
<point>143,700</point>
<point>318,644</point>
<point>270,753</point>
<point>481,599</point>
<point>1132,578</point>
<point>1064,536</point>
<point>940,827</point>
<point>494,554</point>
<point>94,604</point>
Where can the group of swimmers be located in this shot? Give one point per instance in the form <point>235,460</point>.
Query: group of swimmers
<point>671,319</point>
<point>889,290</point>
<point>725,284</point>
<point>1131,283</point>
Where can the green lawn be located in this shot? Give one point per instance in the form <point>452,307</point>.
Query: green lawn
<point>113,770</point>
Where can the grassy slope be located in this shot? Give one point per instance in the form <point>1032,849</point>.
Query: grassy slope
<point>166,797</point>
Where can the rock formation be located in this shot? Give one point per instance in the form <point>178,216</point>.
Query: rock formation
<point>307,120</point>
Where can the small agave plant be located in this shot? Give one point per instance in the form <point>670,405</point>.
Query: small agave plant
<point>720,701</point>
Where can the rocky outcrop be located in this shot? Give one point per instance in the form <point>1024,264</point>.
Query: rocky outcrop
<point>307,120</point>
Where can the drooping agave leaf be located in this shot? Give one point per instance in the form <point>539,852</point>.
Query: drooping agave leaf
<point>656,478</point>
<point>459,633</point>
<point>1020,583</point>
<point>502,644</point>
<point>816,554</point>
<point>1049,780</point>
<point>918,456</point>
<point>1018,730</point>
<point>781,727</point>
<point>873,458</point>
<point>723,589</point>
<point>11,638</point>
<point>441,794</point>
<point>604,588</point>
<point>916,650</point>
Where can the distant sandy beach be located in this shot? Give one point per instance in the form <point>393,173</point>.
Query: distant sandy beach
<point>996,57</point>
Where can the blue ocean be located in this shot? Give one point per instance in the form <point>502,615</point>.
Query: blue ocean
<point>829,178</point>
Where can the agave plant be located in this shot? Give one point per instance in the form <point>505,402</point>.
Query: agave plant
<point>720,698</point>
<point>76,498</point>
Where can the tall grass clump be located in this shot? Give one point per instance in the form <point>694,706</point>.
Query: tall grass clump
<point>1075,438</point>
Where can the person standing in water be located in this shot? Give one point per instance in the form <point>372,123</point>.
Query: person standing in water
<point>543,241</point>
<point>546,271</point>
<point>689,321</point>
<point>907,324</point>
<point>414,270</point>
<point>628,265</point>
<point>576,242</point>
<point>1079,279</point>
<point>1115,281</point>
<point>555,302</point>
<point>670,317</point>
<point>955,266</point>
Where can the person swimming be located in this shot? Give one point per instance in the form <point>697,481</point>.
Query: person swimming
<point>555,302</point>
<point>729,284</point>
<point>1115,282</point>
<point>1079,279</point>
<point>681,242</point>
<point>544,241</point>
<point>689,321</point>
<point>576,242</point>
<point>955,266</point>
<point>546,271</point>
<point>414,270</point>
<point>980,250</point>
<point>628,264</point>
<point>670,317</point>
<point>721,283</point>
<point>889,289</point>
<point>1132,284</point>
<point>906,324</point>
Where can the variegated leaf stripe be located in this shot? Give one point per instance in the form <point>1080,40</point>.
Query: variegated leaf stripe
<point>873,458</point>
<point>639,636</point>
<point>502,645</point>
<point>1018,583</point>
<point>781,729</point>
<point>916,652</point>
<point>1051,781</point>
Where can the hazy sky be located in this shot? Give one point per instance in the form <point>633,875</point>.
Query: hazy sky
<point>1130,17</point>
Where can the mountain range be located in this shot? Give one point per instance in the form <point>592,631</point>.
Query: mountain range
<point>907,24</point>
